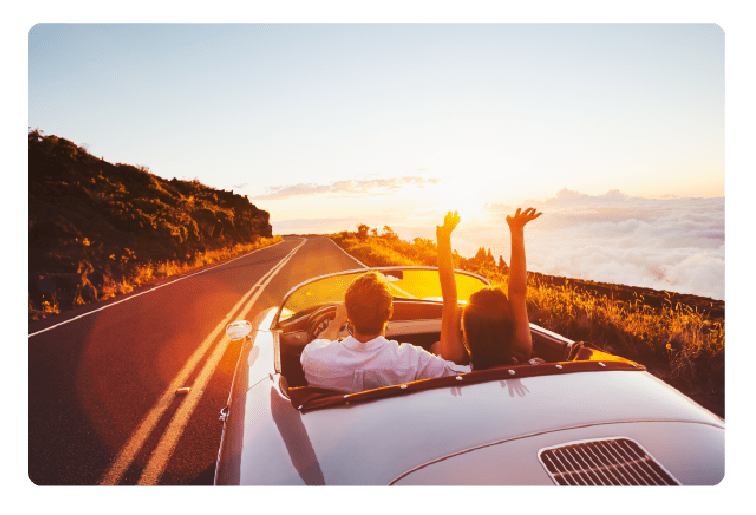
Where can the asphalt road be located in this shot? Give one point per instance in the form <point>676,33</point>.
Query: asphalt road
<point>102,395</point>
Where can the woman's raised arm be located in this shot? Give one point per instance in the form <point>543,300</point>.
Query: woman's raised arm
<point>517,284</point>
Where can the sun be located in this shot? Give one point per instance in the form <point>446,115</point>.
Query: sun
<point>466,201</point>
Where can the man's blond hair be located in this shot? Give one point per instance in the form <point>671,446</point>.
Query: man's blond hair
<point>368,303</point>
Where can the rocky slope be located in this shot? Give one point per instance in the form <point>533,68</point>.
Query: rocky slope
<point>91,222</point>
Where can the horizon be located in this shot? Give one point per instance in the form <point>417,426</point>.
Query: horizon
<point>327,126</point>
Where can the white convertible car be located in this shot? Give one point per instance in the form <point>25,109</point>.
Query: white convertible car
<point>583,417</point>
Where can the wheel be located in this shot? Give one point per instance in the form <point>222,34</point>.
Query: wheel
<point>321,319</point>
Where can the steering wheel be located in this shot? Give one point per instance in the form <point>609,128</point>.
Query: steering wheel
<point>321,319</point>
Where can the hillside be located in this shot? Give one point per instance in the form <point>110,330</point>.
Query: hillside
<point>94,224</point>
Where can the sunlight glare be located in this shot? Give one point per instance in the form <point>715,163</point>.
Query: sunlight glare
<point>454,196</point>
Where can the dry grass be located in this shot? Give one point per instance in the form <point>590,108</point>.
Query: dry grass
<point>49,307</point>
<point>145,274</point>
<point>376,252</point>
<point>148,273</point>
<point>676,337</point>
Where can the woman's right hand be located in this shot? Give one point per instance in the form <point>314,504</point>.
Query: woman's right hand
<point>450,222</point>
<point>451,347</point>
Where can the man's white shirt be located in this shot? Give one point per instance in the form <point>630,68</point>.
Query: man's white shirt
<point>352,366</point>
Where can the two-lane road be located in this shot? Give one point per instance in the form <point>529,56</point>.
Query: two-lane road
<point>105,399</point>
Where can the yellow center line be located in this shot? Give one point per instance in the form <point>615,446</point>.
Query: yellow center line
<point>164,450</point>
<point>150,420</point>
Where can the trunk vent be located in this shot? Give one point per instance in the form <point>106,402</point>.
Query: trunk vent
<point>615,461</point>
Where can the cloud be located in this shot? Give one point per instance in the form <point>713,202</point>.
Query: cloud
<point>673,244</point>
<point>316,226</point>
<point>352,188</point>
<point>572,197</point>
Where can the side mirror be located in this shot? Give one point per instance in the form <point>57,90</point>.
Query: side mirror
<point>238,330</point>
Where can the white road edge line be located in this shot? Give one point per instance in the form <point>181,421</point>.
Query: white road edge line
<point>150,420</point>
<point>164,450</point>
<point>147,291</point>
<point>347,253</point>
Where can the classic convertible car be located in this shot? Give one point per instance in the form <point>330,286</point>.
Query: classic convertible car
<point>583,417</point>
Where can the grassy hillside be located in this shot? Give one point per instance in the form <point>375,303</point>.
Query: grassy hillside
<point>679,338</point>
<point>96,228</point>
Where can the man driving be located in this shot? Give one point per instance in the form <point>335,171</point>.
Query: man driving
<point>367,360</point>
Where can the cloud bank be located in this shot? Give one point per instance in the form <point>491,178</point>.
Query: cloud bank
<point>673,244</point>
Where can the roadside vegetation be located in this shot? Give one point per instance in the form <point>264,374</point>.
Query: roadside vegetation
<point>679,338</point>
<point>144,275</point>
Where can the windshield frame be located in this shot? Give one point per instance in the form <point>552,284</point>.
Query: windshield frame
<point>386,270</point>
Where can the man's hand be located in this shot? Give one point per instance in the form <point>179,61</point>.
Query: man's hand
<point>332,331</point>
<point>341,315</point>
<point>450,222</point>
<point>520,219</point>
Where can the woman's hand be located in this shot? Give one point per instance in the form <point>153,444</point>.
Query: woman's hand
<point>450,222</point>
<point>520,219</point>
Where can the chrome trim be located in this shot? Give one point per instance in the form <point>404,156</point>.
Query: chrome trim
<point>545,333</point>
<point>599,463</point>
<point>276,352</point>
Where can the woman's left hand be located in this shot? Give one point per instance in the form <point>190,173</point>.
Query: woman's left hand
<point>520,219</point>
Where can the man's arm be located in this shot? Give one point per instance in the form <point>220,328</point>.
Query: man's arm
<point>332,331</point>
<point>517,287</point>
<point>451,345</point>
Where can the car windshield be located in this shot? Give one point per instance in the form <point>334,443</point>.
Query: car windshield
<point>420,283</point>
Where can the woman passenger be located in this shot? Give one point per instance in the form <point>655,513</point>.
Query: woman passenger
<point>495,326</point>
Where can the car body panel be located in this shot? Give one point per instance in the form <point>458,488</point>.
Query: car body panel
<point>376,442</point>
<point>487,432</point>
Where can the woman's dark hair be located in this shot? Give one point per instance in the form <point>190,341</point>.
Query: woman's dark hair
<point>489,329</point>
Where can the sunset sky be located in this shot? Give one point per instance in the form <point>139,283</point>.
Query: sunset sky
<point>330,125</point>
